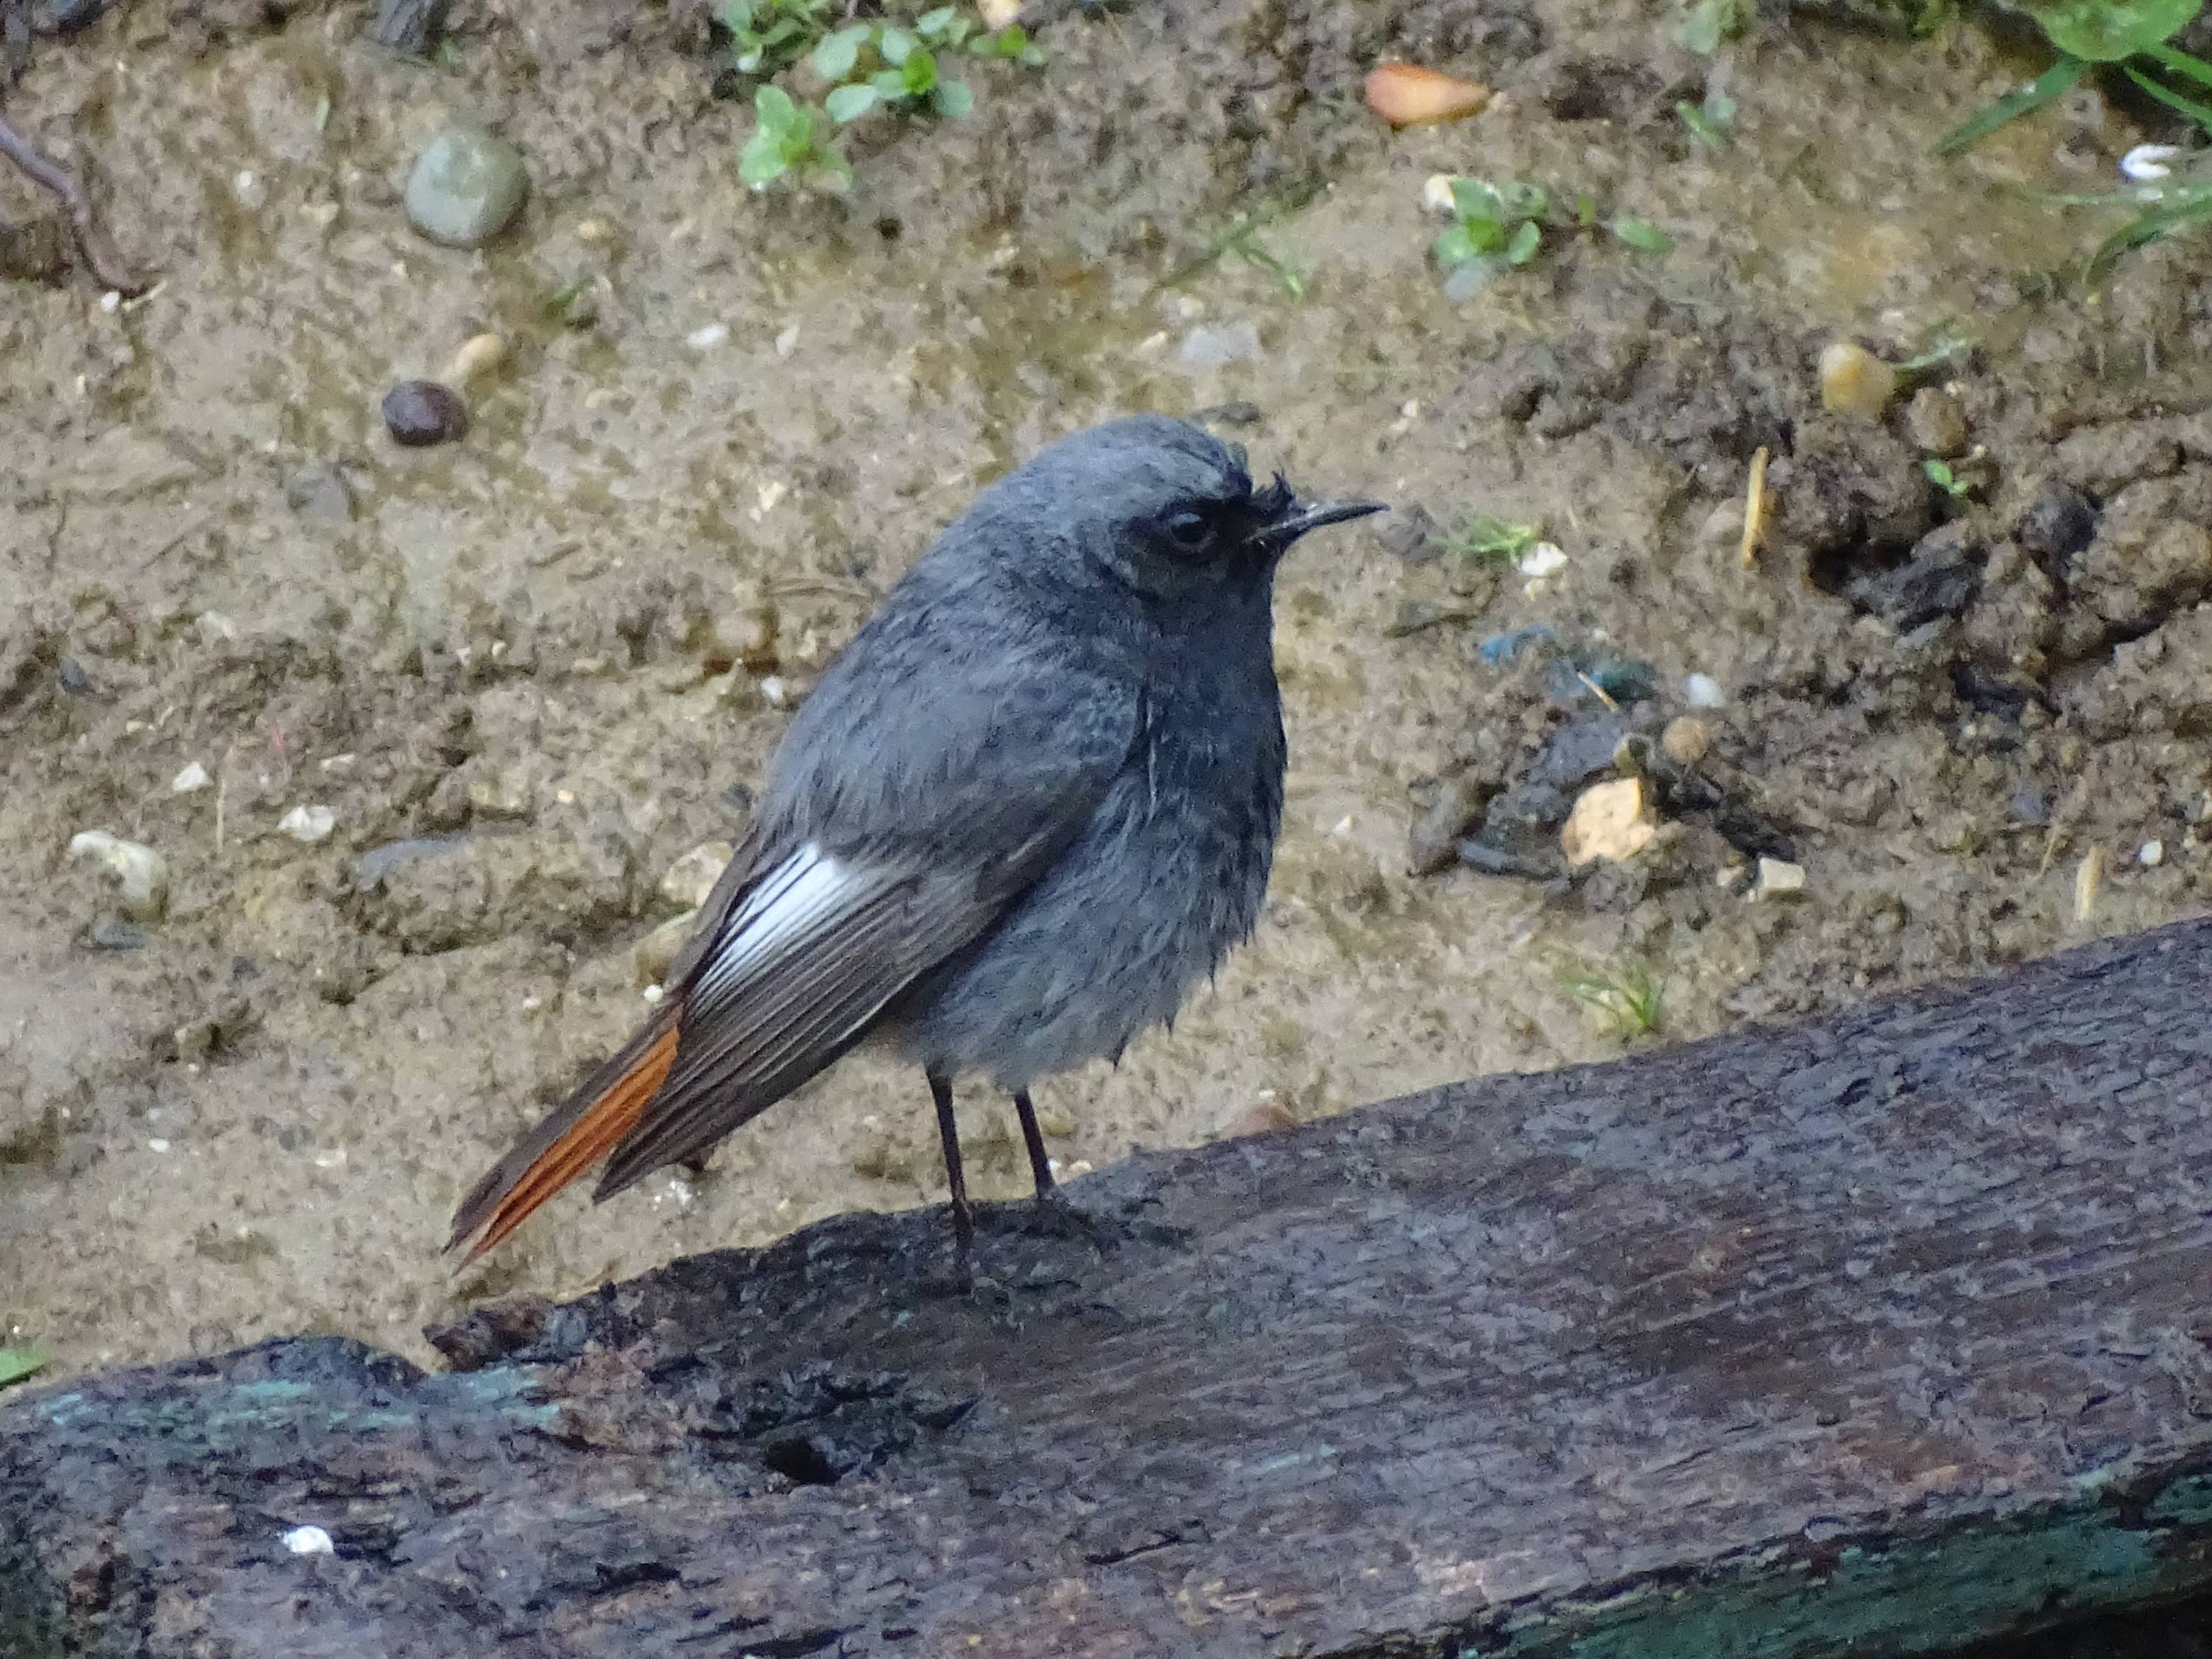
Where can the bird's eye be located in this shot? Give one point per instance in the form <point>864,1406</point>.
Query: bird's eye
<point>1187,530</point>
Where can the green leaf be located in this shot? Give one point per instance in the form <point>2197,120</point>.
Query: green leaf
<point>2106,31</point>
<point>1524,201</point>
<point>1642,236</point>
<point>2054,82</point>
<point>920,71</point>
<point>736,15</point>
<point>18,1361</point>
<point>774,109</point>
<point>931,24</point>
<point>952,99</point>
<point>1473,199</point>
<point>761,162</point>
<point>2183,63</point>
<point>2196,112</point>
<point>1453,246</point>
<point>850,103</point>
<point>829,173</point>
<point>889,85</point>
<point>895,44</point>
<point>834,57</point>
<point>1525,241</point>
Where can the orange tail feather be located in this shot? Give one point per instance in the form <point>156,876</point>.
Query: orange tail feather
<point>585,1129</point>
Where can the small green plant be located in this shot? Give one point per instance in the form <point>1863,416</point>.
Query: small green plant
<point>872,65</point>
<point>1242,238</point>
<point>1711,119</point>
<point>1624,996</point>
<point>1496,228</point>
<point>18,1361</point>
<point>886,66</point>
<point>1941,475</point>
<point>1707,23</point>
<point>769,36</point>
<point>787,139</point>
<point>1482,539</point>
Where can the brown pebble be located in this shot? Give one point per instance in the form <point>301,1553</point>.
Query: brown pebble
<point>1262,1117</point>
<point>420,413</point>
<point>1686,740</point>
<point>1408,94</point>
<point>1935,424</point>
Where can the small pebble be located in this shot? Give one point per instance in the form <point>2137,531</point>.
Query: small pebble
<point>504,794</point>
<point>705,339</point>
<point>1702,691</point>
<point>308,1540</point>
<point>691,878</point>
<point>466,188</point>
<point>1935,424</point>
<point>420,413</point>
<point>1854,381</point>
<point>157,1146</point>
<point>1436,192</point>
<point>141,873</point>
<point>308,824</point>
<point>1543,560</point>
<point>1686,740</point>
<point>2151,854</point>
<point>1408,94</point>
<point>193,776</point>
<point>1779,879</point>
<point>1611,820</point>
<point>652,956</point>
<point>478,357</point>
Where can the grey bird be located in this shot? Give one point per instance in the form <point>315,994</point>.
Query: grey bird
<point>1024,812</point>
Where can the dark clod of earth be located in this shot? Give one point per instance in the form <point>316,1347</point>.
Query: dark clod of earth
<point>420,413</point>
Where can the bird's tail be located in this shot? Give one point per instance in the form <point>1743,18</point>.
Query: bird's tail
<point>575,1136</point>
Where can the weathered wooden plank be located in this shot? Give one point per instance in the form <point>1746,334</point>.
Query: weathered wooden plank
<point>1882,1334</point>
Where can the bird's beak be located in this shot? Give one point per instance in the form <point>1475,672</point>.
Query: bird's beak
<point>1277,537</point>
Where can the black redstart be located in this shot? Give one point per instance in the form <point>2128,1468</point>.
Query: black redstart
<point>1030,805</point>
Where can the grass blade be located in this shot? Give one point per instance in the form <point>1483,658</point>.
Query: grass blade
<point>2196,112</point>
<point>2188,66</point>
<point>2054,82</point>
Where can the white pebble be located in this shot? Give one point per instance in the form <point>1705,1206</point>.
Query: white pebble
<point>787,342</point>
<point>705,339</point>
<point>1702,691</point>
<point>2146,163</point>
<point>111,302</point>
<point>771,691</point>
<point>652,994</point>
<point>157,1146</point>
<point>2151,854</point>
<point>308,1540</point>
<point>308,824</point>
<point>1543,560</point>
<point>143,872</point>
<point>1779,879</point>
<point>1436,193</point>
<point>194,777</point>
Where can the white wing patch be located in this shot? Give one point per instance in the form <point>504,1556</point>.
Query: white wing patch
<point>784,911</point>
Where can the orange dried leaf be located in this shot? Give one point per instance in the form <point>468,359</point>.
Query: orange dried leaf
<point>1405,94</point>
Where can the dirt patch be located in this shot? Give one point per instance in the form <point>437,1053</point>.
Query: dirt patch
<point>526,673</point>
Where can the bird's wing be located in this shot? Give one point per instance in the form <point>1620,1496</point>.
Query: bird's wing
<point>838,902</point>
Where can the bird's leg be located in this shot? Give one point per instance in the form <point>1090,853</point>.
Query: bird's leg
<point>1040,1165</point>
<point>948,1132</point>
